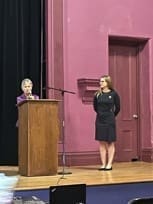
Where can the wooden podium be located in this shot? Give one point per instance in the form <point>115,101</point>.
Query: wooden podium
<point>38,137</point>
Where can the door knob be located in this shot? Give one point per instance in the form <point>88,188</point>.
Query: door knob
<point>135,116</point>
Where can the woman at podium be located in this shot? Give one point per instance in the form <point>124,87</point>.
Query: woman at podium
<point>26,86</point>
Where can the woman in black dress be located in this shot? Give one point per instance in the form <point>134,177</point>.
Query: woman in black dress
<point>107,106</point>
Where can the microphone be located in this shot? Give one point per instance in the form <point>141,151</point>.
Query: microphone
<point>58,89</point>
<point>29,95</point>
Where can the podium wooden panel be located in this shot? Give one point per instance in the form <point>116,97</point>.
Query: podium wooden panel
<point>38,137</point>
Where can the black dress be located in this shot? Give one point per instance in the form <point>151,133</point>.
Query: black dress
<point>107,106</point>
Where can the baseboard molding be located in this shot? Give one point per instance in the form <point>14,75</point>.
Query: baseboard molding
<point>93,158</point>
<point>147,154</point>
<point>80,159</point>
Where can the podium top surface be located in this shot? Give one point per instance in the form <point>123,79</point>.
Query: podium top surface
<point>37,101</point>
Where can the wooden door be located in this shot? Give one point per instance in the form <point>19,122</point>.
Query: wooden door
<point>123,68</point>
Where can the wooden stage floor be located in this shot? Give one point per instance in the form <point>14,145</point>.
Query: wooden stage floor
<point>123,172</point>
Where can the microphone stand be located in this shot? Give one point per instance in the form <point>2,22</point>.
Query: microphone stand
<point>62,91</point>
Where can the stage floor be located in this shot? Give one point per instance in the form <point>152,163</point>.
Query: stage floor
<point>123,172</point>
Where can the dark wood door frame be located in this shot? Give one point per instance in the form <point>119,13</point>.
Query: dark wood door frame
<point>144,150</point>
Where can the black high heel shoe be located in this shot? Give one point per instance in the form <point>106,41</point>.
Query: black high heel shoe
<point>101,169</point>
<point>108,169</point>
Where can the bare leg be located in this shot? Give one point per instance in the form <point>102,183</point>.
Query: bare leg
<point>103,153</point>
<point>111,152</point>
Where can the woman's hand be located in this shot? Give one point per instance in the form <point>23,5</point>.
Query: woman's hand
<point>31,97</point>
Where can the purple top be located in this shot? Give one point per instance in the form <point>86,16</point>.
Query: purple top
<point>23,97</point>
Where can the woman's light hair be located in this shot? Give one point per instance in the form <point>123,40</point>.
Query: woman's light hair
<point>26,81</point>
<point>107,78</point>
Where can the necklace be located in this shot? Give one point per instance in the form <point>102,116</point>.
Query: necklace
<point>106,90</point>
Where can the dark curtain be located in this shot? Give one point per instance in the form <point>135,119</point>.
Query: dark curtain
<point>20,57</point>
